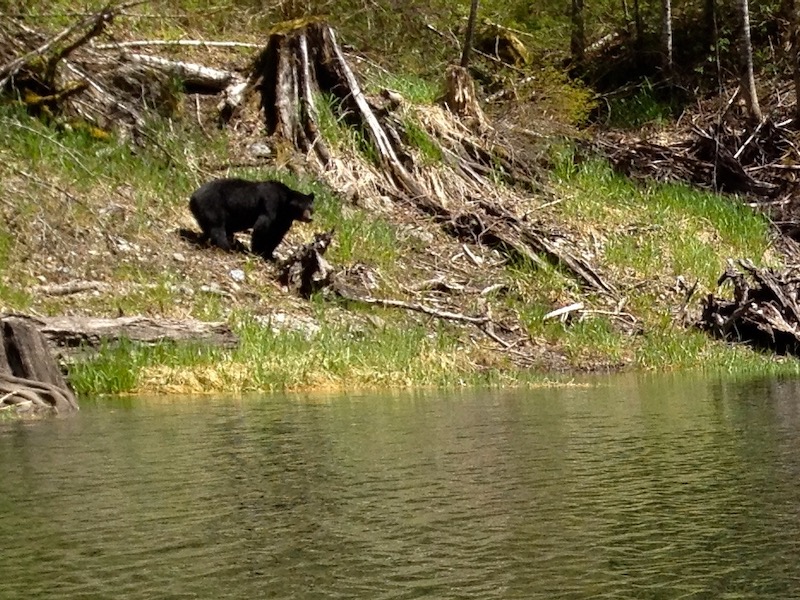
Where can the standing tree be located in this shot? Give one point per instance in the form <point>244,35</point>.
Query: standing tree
<point>638,34</point>
<point>666,37</point>
<point>473,14</point>
<point>746,57</point>
<point>459,89</point>
<point>710,17</point>
<point>577,43</point>
<point>794,26</point>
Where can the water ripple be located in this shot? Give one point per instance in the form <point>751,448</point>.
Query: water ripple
<point>642,489</point>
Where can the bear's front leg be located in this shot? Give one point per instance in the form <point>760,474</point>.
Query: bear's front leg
<point>219,237</point>
<point>265,239</point>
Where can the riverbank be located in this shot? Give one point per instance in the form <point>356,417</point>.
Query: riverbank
<point>439,303</point>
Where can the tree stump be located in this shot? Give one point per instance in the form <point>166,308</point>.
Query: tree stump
<point>30,380</point>
<point>306,271</point>
<point>460,98</point>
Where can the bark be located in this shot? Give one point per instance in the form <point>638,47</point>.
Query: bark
<point>712,28</point>
<point>638,35</point>
<point>74,333</point>
<point>460,97</point>
<point>473,14</point>
<point>577,39</point>
<point>29,376</point>
<point>794,26</point>
<point>306,271</point>
<point>666,37</point>
<point>746,58</point>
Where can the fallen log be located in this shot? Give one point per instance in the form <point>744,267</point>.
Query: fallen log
<point>73,333</point>
<point>30,380</point>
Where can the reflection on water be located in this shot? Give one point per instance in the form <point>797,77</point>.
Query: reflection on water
<point>658,488</point>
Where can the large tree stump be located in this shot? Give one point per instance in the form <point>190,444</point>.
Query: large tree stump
<point>30,380</point>
<point>306,60</point>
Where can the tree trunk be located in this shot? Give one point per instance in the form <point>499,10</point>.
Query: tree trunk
<point>666,38</point>
<point>473,14</point>
<point>713,42</point>
<point>794,25</point>
<point>638,35</point>
<point>577,44</point>
<point>309,58</point>
<point>746,57</point>
<point>73,333</point>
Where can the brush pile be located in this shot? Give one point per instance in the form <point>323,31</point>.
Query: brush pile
<point>763,313</point>
<point>761,162</point>
<point>104,85</point>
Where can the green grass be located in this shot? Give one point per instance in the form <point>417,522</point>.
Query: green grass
<point>417,137</point>
<point>641,233</point>
<point>337,356</point>
<point>658,229</point>
<point>116,368</point>
<point>644,107</point>
<point>414,89</point>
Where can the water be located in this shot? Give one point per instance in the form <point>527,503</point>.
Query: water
<point>646,489</point>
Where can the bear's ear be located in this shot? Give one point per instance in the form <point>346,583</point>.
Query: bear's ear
<point>310,198</point>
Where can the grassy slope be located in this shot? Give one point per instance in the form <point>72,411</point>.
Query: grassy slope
<point>75,207</point>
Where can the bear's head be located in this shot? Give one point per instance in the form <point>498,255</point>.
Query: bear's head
<point>302,207</point>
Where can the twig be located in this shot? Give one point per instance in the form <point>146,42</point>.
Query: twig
<point>71,287</point>
<point>413,306</point>
<point>749,139</point>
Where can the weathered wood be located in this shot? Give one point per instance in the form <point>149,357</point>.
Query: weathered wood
<point>460,97</point>
<point>763,313</point>
<point>306,271</point>
<point>191,75</point>
<point>74,332</point>
<point>29,376</point>
<point>309,58</point>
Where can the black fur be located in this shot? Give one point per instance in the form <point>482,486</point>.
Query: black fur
<point>225,206</point>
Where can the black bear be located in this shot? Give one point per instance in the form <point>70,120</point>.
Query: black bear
<point>225,206</point>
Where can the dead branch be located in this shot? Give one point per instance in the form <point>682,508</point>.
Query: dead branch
<point>192,43</point>
<point>191,74</point>
<point>764,311</point>
<point>416,307</point>
<point>97,21</point>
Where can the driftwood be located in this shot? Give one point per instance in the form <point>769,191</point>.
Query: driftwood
<point>30,380</point>
<point>306,271</point>
<point>764,311</point>
<point>73,333</point>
